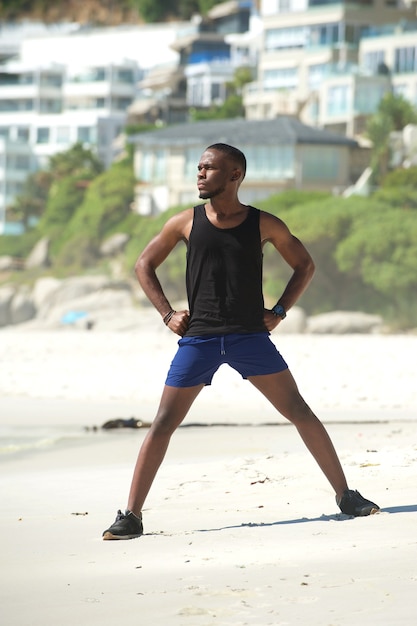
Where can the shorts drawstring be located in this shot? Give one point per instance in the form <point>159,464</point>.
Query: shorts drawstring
<point>222,346</point>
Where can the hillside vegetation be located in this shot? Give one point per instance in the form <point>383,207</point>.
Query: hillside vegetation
<point>103,12</point>
<point>364,248</point>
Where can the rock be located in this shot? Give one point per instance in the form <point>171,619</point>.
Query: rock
<point>88,308</point>
<point>295,323</point>
<point>114,244</point>
<point>120,422</point>
<point>22,308</point>
<point>6,263</point>
<point>39,257</point>
<point>44,290</point>
<point>344,322</point>
<point>60,295</point>
<point>6,297</point>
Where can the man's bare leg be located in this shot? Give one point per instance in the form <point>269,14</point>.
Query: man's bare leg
<point>174,406</point>
<point>281,390</point>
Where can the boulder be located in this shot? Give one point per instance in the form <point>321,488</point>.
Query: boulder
<point>44,289</point>
<point>22,308</point>
<point>59,295</point>
<point>114,244</point>
<point>6,297</point>
<point>295,323</point>
<point>87,309</point>
<point>344,322</point>
<point>39,257</point>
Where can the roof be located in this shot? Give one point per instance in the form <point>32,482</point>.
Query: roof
<point>284,130</point>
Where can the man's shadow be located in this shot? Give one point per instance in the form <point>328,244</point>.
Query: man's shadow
<point>336,517</point>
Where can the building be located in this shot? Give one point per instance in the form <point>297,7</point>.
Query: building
<point>64,88</point>
<point>330,62</point>
<point>209,51</point>
<point>283,153</point>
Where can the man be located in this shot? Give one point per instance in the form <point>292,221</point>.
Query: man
<point>226,323</point>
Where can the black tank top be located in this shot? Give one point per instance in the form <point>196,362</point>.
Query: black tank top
<point>224,276</point>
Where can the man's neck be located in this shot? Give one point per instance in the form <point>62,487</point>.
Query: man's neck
<point>226,214</point>
<point>224,209</point>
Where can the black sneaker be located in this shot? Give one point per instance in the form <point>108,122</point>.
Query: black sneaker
<point>352,503</point>
<point>126,526</point>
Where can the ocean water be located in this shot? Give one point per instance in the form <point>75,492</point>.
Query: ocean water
<point>25,440</point>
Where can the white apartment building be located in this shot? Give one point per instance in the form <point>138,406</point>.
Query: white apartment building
<point>330,62</point>
<point>69,88</point>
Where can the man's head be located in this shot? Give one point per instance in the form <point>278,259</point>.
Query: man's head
<point>233,153</point>
<point>220,165</point>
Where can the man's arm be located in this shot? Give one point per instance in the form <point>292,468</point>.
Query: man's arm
<point>176,229</point>
<point>291,249</point>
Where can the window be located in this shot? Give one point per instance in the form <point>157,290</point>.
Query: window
<point>84,134</point>
<point>367,97</point>
<point>125,76</point>
<point>284,38</point>
<point>215,91</point>
<point>146,166</point>
<point>122,103</point>
<point>320,163</point>
<point>42,135</point>
<point>50,106</point>
<point>280,78</point>
<point>270,162</point>
<point>23,133</point>
<point>325,34</point>
<point>16,105</point>
<point>51,80</point>
<point>374,60</point>
<point>192,158</point>
<point>98,74</point>
<point>338,100</point>
<point>195,93</point>
<point>405,60</point>
<point>316,74</point>
<point>154,166</point>
<point>160,166</point>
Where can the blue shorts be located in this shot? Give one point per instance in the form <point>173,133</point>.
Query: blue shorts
<point>198,358</point>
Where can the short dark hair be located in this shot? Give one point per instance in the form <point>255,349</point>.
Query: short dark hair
<point>234,153</point>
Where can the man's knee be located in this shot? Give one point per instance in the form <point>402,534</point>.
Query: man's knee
<point>298,411</point>
<point>164,424</point>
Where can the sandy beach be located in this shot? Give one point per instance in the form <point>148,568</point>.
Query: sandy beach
<point>240,526</point>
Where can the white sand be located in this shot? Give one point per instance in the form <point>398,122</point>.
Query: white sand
<point>240,526</point>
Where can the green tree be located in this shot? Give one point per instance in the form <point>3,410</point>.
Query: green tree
<point>232,107</point>
<point>401,177</point>
<point>76,161</point>
<point>152,11</point>
<point>381,252</point>
<point>399,110</point>
<point>107,202</point>
<point>157,11</point>
<point>394,113</point>
<point>31,202</point>
<point>71,173</point>
<point>378,130</point>
<point>64,197</point>
<point>101,210</point>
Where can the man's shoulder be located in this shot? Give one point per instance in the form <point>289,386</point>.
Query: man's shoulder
<point>180,223</point>
<point>271,224</point>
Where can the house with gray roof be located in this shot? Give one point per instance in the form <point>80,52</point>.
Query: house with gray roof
<point>282,153</point>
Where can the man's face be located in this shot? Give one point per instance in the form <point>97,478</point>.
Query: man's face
<point>214,172</point>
